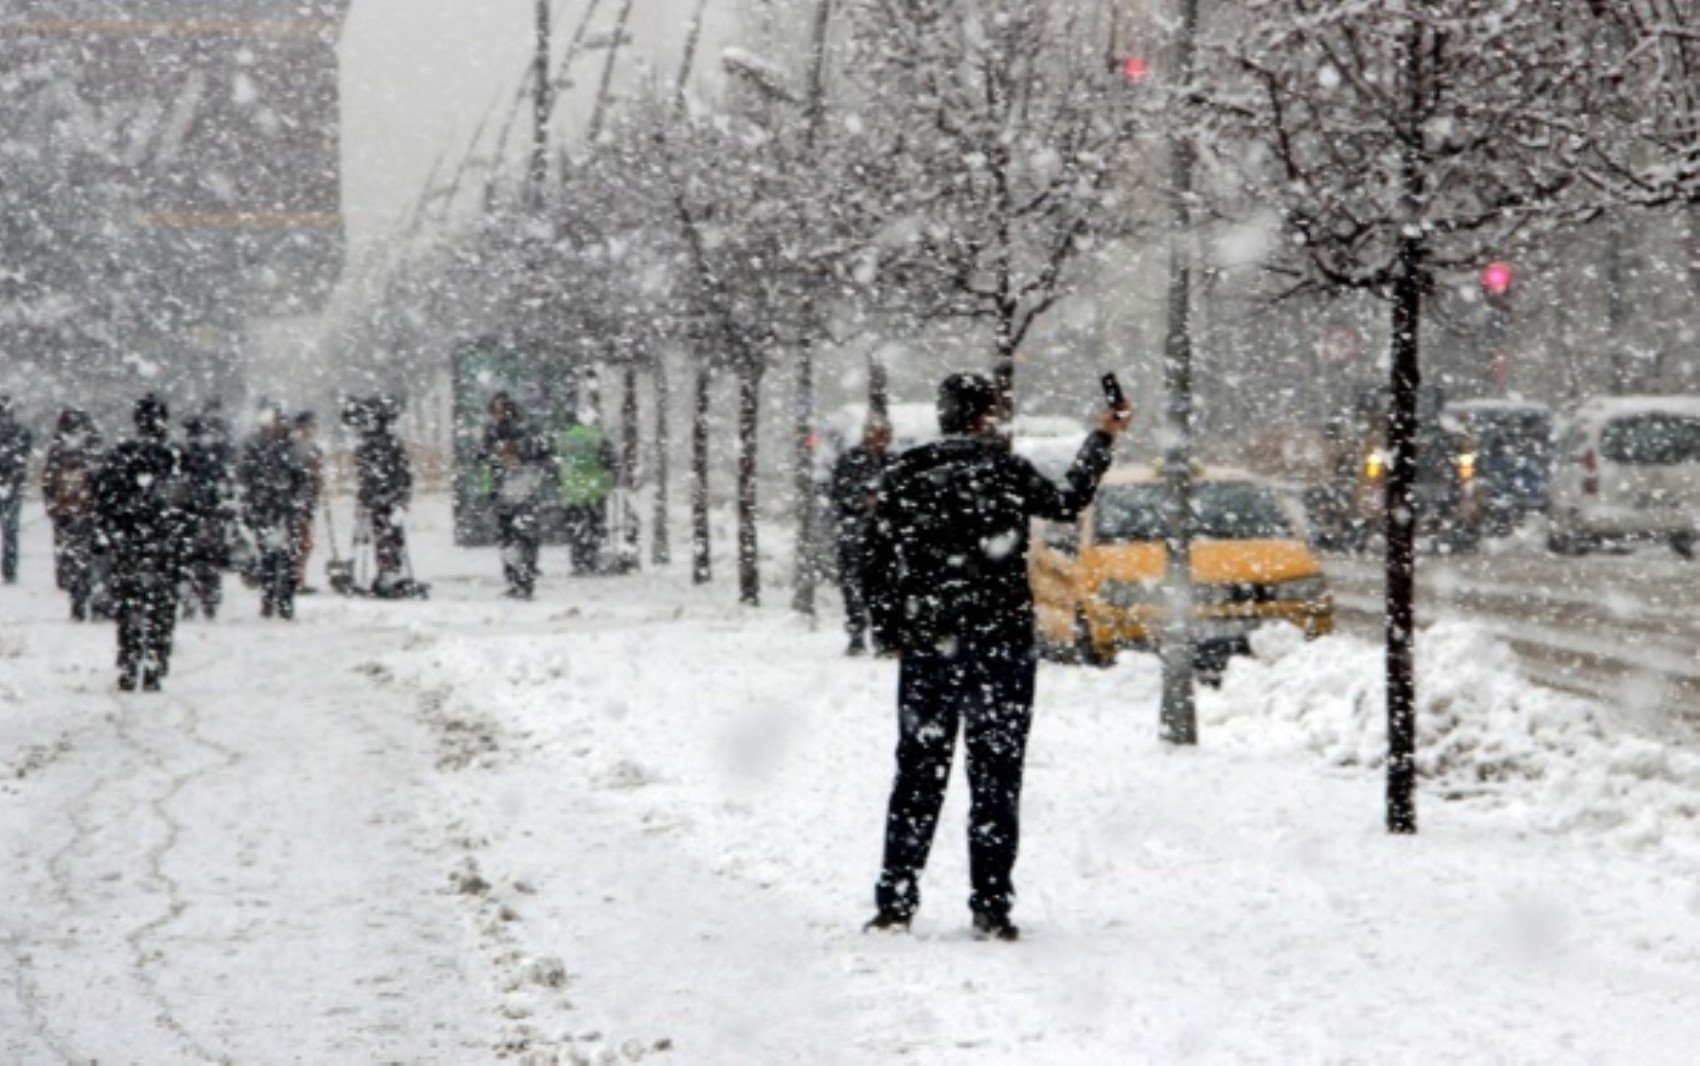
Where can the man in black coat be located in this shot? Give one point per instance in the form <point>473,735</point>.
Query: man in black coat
<point>15,442</point>
<point>949,545</point>
<point>385,485</point>
<point>140,523</point>
<point>207,516</point>
<point>855,484</point>
<point>274,478</point>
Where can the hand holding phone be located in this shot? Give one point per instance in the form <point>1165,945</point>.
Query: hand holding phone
<point>1120,412</point>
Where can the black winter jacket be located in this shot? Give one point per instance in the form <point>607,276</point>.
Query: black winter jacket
<point>385,476</point>
<point>138,497</point>
<point>855,477</point>
<point>275,481</point>
<point>948,551</point>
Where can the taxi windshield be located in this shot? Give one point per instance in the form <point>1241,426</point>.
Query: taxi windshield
<point>1221,510</point>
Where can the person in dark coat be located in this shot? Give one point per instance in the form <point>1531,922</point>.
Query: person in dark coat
<point>15,444</point>
<point>949,544</point>
<point>67,488</point>
<point>855,484</point>
<point>518,458</point>
<point>273,476</point>
<point>306,432</point>
<point>384,478</point>
<point>207,516</point>
<point>140,523</point>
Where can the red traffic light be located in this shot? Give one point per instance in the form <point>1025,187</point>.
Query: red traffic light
<point>1135,68</point>
<point>1497,278</point>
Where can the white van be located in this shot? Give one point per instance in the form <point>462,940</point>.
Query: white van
<point>1627,468</point>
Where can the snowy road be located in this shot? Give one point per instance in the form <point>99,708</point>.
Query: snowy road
<point>634,822</point>
<point>1621,628</point>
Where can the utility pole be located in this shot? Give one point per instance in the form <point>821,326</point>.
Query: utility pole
<point>1179,717</point>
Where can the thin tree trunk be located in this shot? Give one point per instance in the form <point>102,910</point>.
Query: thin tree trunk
<point>803,440</point>
<point>879,387</point>
<point>701,568</point>
<point>660,551</point>
<point>629,532</point>
<point>1401,549</point>
<point>749,411</point>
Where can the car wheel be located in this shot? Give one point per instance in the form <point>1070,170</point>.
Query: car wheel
<point>1562,540</point>
<point>1683,545</point>
<point>1086,650</point>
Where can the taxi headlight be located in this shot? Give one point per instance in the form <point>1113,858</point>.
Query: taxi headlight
<point>1131,593</point>
<point>1304,590</point>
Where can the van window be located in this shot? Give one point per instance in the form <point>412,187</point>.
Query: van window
<point>1221,510</point>
<point>1651,440</point>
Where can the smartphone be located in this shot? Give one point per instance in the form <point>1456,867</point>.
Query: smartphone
<point>1113,394</point>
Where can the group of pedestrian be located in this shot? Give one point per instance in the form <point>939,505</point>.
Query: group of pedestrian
<point>521,464</point>
<point>933,561</point>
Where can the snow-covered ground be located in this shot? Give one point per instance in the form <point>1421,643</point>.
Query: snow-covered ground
<point>632,820</point>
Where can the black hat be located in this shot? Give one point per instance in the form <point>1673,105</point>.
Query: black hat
<point>963,400</point>
<point>153,419</point>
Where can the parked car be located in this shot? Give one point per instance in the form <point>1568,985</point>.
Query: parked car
<point>1512,448</point>
<point>1098,581</point>
<point>1627,470</point>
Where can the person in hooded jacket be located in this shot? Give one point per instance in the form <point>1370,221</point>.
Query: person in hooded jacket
<point>140,523</point>
<point>949,546</point>
<point>517,456</point>
<point>15,444</point>
<point>855,487</point>
<point>384,487</point>
<point>67,487</point>
<point>207,516</point>
<point>274,476</point>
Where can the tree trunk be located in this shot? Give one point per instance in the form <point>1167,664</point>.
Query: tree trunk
<point>1003,370</point>
<point>879,387</point>
<point>1401,522</point>
<point>803,442</point>
<point>701,568</point>
<point>749,411</point>
<point>660,551</point>
<point>629,532</point>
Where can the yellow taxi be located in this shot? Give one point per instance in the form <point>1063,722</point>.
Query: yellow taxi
<point>1098,581</point>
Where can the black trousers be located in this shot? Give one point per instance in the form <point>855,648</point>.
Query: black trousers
<point>586,525</point>
<point>989,693</point>
<point>145,596</point>
<point>73,560</point>
<point>11,507</point>
<point>852,555</point>
<point>517,531</point>
<point>389,544</point>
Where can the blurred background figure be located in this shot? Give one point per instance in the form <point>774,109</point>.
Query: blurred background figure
<point>385,487</point>
<point>15,443</point>
<point>855,487</point>
<point>67,488</point>
<point>517,457</point>
<point>585,461</point>
<point>274,477</point>
<point>206,515</point>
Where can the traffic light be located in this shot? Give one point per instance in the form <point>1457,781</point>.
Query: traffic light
<point>1497,279</point>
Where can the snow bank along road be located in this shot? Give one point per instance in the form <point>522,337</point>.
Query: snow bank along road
<point>1621,628</point>
<point>632,822</point>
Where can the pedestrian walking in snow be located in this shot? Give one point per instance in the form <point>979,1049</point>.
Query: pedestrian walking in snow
<point>207,516</point>
<point>585,463</point>
<point>855,485</point>
<point>385,487</point>
<point>949,545</point>
<point>273,477</point>
<point>517,457</point>
<point>140,524</point>
<point>67,488</point>
<point>15,444</point>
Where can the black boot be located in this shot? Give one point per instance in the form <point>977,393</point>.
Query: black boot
<point>989,927</point>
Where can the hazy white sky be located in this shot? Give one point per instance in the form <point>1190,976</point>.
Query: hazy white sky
<point>417,75</point>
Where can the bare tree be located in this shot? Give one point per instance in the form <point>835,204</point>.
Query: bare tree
<point>1001,128</point>
<point>1400,143</point>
